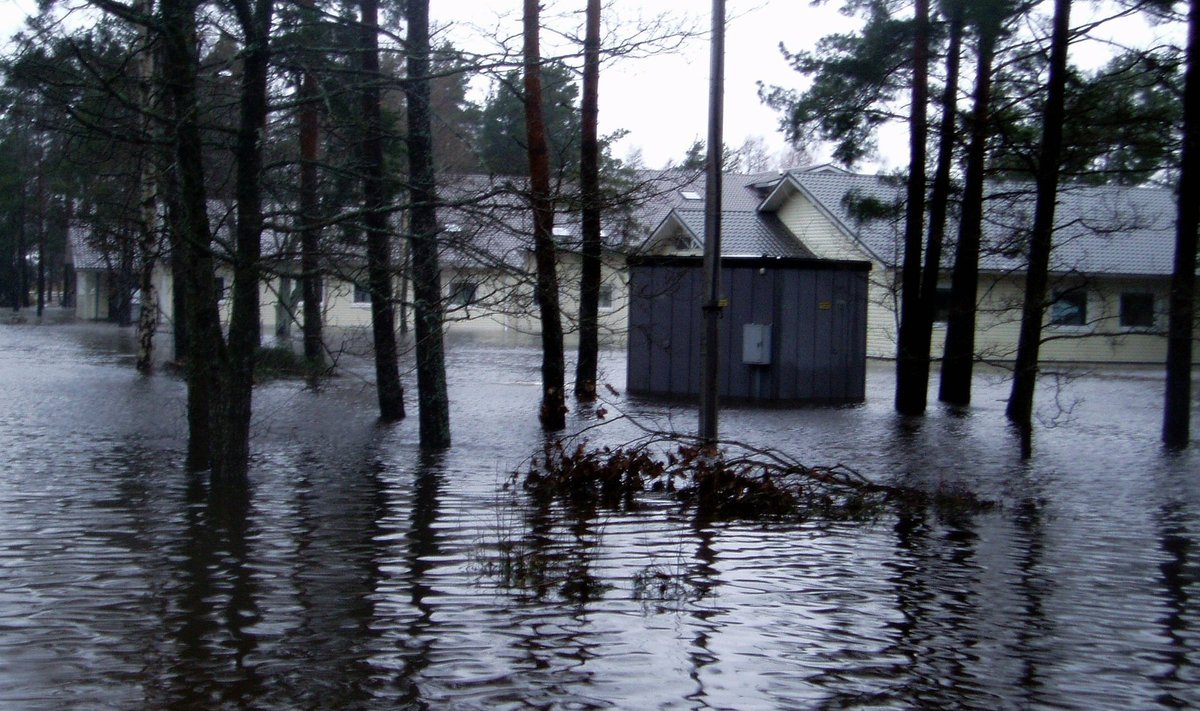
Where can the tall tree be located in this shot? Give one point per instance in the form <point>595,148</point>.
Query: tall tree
<point>375,220</point>
<point>148,222</point>
<point>232,460</point>
<point>1020,400</point>
<point>910,388</point>
<point>310,228</point>
<point>502,143</point>
<point>958,362</point>
<point>433,403</point>
<point>455,117</point>
<point>1181,320</point>
<point>553,407</point>
<point>589,184</point>
<point>939,202</point>
<point>205,346</point>
<point>856,78</point>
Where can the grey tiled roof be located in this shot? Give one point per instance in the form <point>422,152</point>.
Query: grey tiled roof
<point>83,256</point>
<point>1101,230</point>
<point>745,231</point>
<point>747,234</point>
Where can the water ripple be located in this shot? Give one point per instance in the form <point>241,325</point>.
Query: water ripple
<point>357,573</point>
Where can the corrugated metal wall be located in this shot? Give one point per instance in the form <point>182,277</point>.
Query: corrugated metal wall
<point>816,311</point>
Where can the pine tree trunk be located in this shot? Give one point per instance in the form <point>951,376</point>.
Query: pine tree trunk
<point>19,284</point>
<point>958,361</point>
<point>589,183</point>
<point>175,232</point>
<point>205,347</point>
<point>553,408</point>
<point>939,201</point>
<point>310,238</point>
<point>1020,400</point>
<point>1176,432</point>
<point>245,323</point>
<point>910,389</point>
<point>433,403</point>
<point>375,222</point>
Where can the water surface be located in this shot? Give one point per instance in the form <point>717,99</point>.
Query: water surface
<point>358,573</point>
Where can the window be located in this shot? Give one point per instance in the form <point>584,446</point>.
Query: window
<point>462,293</point>
<point>606,298</point>
<point>1137,310</point>
<point>941,305</point>
<point>362,295</point>
<point>1069,308</point>
<point>689,194</point>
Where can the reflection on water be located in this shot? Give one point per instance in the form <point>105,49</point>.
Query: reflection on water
<point>354,572</point>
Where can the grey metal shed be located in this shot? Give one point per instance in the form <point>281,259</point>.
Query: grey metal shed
<point>794,329</point>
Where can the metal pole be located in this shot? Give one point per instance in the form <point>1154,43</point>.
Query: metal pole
<point>710,367</point>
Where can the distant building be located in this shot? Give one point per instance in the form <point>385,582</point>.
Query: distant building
<point>1111,264</point>
<point>1110,268</point>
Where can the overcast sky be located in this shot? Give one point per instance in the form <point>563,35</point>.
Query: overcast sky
<point>662,100</point>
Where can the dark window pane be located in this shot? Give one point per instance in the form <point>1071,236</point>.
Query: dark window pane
<point>941,306</point>
<point>462,293</point>
<point>1137,310</point>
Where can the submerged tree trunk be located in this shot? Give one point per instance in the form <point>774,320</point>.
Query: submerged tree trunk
<point>939,201</point>
<point>1020,400</point>
<point>433,403</point>
<point>910,389</point>
<point>958,362</point>
<point>232,461</point>
<point>1176,431</point>
<point>18,256</point>
<point>40,274</point>
<point>178,261</point>
<point>553,408</point>
<point>589,184</point>
<point>148,224</point>
<point>375,222</point>
<point>310,236</point>
<point>205,346</point>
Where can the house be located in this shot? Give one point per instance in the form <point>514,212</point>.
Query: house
<point>487,265</point>
<point>486,258</point>
<point>93,276</point>
<point>1111,262</point>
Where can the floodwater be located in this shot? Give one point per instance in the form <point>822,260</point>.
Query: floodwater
<point>358,574</point>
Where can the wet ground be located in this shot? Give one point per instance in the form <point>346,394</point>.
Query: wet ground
<point>357,573</point>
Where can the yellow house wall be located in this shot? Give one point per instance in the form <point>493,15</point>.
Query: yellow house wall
<point>91,299</point>
<point>505,301</point>
<point>998,321</point>
<point>816,232</point>
<point>1101,340</point>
